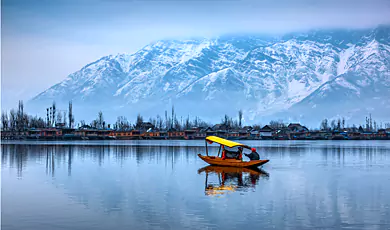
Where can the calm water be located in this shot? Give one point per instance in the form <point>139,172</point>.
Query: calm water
<point>163,185</point>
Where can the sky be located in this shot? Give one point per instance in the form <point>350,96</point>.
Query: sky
<point>44,41</point>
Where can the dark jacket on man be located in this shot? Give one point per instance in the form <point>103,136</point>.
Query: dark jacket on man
<point>253,156</point>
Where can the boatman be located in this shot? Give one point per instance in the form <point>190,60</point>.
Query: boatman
<point>253,155</point>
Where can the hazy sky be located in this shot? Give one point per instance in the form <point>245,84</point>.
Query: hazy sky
<point>44,41</point>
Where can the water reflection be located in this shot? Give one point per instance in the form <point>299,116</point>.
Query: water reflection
<point>231,179</point>
<point>341,155</point>
<point>70,153</point>
<point>15,155</point>
<point>18,156</point>
<point>50,163</point>
<point>312,185</point>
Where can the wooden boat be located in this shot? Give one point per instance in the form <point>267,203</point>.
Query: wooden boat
<point>212,160</point>
<point>217,160</point>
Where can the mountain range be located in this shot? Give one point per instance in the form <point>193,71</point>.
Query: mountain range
<point>297,77</point>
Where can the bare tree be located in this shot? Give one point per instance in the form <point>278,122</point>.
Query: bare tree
<point>333,125</point>
<point>324,124</point>
<point>26,121</point>
<point>53,114</point>
<point>95,124</point>
<point>231,123</point>
<point>139,121</point>
<point>47,118</point>
<point>64,119</point>
<point>71,117</point>
<point>202,123</point>
<point>100,120</point>
<point>49,123</point>
<point>176,124</point>
<point>159,122</point>
<point>236,124</point>
<point>225,120</point>
<point>166,120</point>
<point>173,117</point>
<point>338,124</point>
<point>122,124</point>
<point>4,120</point>
<point>153,121</point>
<point>196,121</point>
<point>188,123</point>
<point>12,119</point>
<point>36,122</point>
<point>32,121</point>
<point>40,123</point>
<point>240,118</point>
<point>59,118</point>
<point>20,122</point>
<point>370,123</point>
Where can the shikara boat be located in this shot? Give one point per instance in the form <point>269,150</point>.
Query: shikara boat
<point>217,160</point>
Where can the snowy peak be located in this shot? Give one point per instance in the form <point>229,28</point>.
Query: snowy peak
<point>265,74</point>
<point>225,81</point>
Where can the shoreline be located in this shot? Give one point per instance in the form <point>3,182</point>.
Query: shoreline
<point>184,139</point>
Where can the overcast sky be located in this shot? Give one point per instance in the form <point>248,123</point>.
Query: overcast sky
<point>44,41</point>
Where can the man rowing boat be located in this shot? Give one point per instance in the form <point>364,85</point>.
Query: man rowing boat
<point>253,155</point>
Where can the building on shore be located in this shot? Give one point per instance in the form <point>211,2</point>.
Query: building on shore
<point>293,131</point>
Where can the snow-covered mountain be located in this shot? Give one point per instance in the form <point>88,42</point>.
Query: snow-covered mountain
<point>304,77</point>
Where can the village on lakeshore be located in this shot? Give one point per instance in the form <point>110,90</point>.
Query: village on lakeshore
<point>18,125</point>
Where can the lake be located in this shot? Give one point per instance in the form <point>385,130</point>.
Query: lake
<point>164,185</point>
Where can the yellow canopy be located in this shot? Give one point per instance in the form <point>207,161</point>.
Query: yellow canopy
<point>225,142</point>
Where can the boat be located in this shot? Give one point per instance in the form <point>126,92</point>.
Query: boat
<point>217,160</point>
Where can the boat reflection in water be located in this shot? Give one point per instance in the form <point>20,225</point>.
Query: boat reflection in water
<point>230,179</point>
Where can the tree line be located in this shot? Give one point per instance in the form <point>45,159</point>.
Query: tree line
<point>340,124</point>
<point>171,121</point>
<point>17,121</point>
